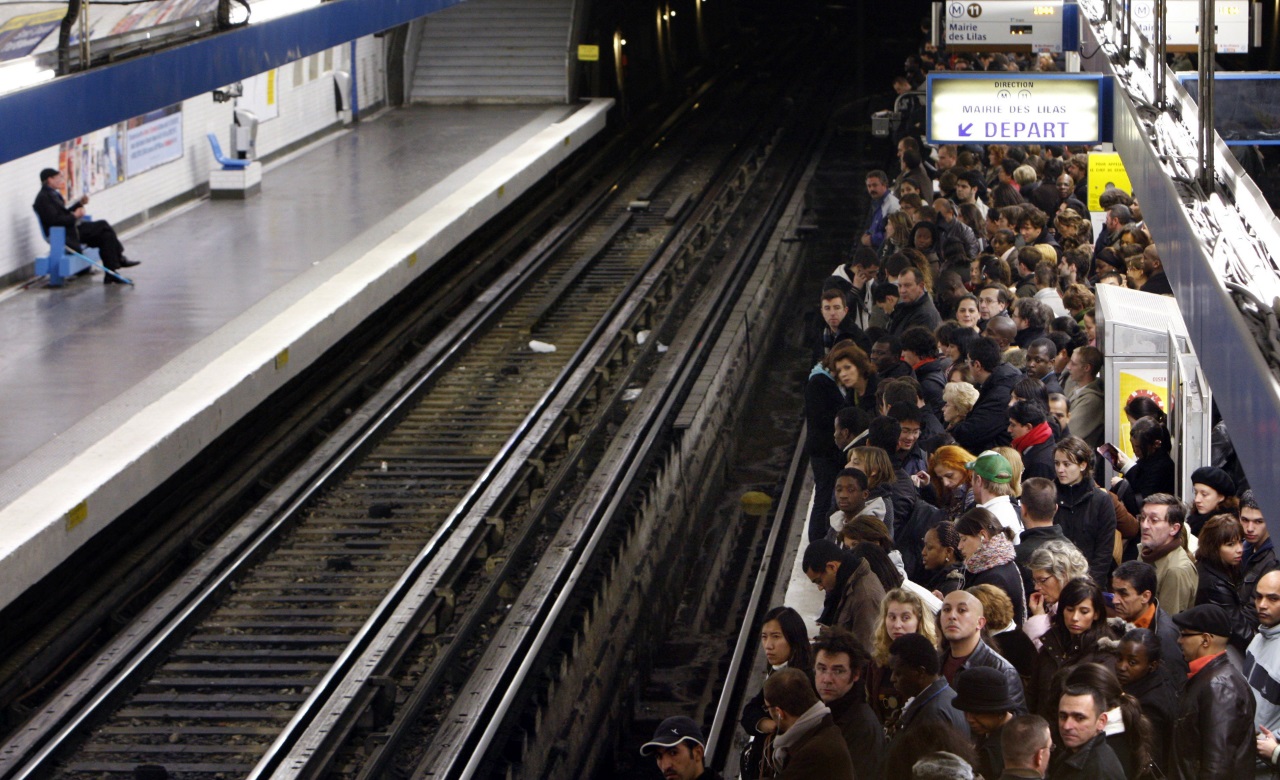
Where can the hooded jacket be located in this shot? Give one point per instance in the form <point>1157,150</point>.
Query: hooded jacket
<point>987,424</point>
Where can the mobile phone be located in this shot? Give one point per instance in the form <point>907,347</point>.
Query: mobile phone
<point>1109,451</point>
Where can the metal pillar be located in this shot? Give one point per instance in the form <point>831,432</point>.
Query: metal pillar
<point>1161,44</point>
<point>1208,26</point>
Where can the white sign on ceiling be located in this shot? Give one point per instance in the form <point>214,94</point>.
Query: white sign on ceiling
<point>1014,108</point>
<point>1003,25</point>
<point>1182,23</point>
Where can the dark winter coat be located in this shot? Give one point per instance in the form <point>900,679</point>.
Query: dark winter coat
<point>987,424</point>
<point>1159,702</point>
<point>1037,461</point>
<point>1216,586</point>
<point>820,753</point>
<point>1094,761</point>
<point>1213,735</point>
<point>1059,650</point>
<point>985,656</point>
<point>1256,563</point>
<point>1006,577</point>
<point>908,537</point>
<point>822,400</point>
<point>947,579</point>
<point>862,733</point>
<point>932,377</point>
<point>1088,519</point>
<point>1148,476</point>
<point>921,311</point>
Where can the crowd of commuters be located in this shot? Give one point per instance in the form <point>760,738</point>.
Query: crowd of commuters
<point>992,608</point>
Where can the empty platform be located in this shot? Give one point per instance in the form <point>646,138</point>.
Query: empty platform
<point>109,389</point>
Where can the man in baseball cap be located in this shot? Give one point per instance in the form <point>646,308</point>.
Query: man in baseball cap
<point>678,747</point>
<point>992,490</point>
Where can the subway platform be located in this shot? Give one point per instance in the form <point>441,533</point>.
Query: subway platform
<point>109,389</point>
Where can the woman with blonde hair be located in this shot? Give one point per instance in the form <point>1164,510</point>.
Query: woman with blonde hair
<point>958,399</point>
<point>951,480</point>
<point>1016,468</point>
<point>902,612</point>
<point>1001,632</point>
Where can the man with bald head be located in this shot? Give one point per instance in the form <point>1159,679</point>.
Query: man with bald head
<point>1157,280</point>
<point>962,623</point>
<point>1003,329</point>
<point>1262,669</point>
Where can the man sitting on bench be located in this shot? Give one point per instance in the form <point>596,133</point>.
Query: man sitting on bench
<point>53,211</point>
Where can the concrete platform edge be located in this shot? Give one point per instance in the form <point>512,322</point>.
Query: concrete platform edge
<point>65,510</point>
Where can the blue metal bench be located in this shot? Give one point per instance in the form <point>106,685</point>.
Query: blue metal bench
<point>227,163</point>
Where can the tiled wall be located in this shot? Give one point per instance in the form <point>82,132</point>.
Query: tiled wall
<point>306,108</point>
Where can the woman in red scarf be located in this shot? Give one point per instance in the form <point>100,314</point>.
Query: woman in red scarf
<point>1033,439</point>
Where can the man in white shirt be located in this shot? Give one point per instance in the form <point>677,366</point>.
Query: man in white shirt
<point>992,490</point>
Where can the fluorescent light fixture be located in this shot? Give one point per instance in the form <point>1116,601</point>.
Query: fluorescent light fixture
<point>274,9</point>
<point>21,74</point>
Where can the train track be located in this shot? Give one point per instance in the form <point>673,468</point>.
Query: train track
<point>417,515</point>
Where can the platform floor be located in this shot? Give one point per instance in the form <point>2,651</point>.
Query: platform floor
<point>78,356</point>
<point>108,389</point>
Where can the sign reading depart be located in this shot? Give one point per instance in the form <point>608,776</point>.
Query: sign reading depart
<point>1014,108</point>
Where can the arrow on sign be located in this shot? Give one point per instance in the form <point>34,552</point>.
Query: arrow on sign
<point>964,130</point>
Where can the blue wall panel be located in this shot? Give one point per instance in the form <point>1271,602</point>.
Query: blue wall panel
<point>47,114</point>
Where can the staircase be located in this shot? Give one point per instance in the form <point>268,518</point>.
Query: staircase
<point>494,51</point>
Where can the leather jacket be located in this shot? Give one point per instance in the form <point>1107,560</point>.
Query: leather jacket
<point>1213,735</point>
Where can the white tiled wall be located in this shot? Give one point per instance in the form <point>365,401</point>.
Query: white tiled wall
<point>307,106</point>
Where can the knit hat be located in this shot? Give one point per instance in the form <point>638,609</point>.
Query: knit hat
<point>1204,619</point>
<point>941,766</point>
<point>1215,478</point>
<point>993,467</point>
<point>983,689</point>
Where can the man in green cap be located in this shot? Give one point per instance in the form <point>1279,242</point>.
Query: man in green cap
<point>993,489</point>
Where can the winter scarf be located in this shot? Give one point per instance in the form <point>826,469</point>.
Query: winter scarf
<point>996,551</point>
<point>1037,435</point>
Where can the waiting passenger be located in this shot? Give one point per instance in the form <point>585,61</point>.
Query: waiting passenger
<point>1213,734</point>
<point>982,694</point>
<point>1138,669</point>
<point>1218,557</point>
<point>1085,511</point>
<point>853,592</point>
<point>989,558</point>
<point>1134,587</point>
<point>679,748</point>
<point>785,642</point>
<point>962,621</point>
<point>808,745</point>
<point>1259,555</point>
<point>1215,494</point>
<point>1164,546</point>
<point>52,211</point>
<point>940,557</point>
<point>1082,722</point>
<point>838,667</point>
<point>986,426</point>
<point>902,612</point>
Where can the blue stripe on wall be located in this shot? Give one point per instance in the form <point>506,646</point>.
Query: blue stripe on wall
<point>50,113</point>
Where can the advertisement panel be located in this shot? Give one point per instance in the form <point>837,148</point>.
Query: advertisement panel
<point>106,157</point>
<point>20,35</point>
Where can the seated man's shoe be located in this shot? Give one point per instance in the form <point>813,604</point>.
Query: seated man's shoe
<point>127,263</point>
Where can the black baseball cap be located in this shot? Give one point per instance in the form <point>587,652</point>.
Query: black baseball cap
<point>47,174</point>
<point>672,732</point>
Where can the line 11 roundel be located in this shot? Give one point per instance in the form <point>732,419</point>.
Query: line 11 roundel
<point>974,10</point>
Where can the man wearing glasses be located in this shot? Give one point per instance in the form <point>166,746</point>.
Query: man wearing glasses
<point>1026,745</point>
<point>1213,735</point>
<point>1161,523</point>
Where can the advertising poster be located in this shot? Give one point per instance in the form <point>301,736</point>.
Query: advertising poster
<point>261,96</point>
<point>152,14</point>
<point>20,35</point>
<point>1134,382</point>
<point>1105,170</point>
<point>104,158</point>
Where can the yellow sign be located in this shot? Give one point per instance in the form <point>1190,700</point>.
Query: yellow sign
<point>1134,382</point>
<point>588,53</point>
<point>1106,170</point>
<point>77,514</point>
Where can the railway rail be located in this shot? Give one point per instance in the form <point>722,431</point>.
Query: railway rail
<point>402,533</point>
